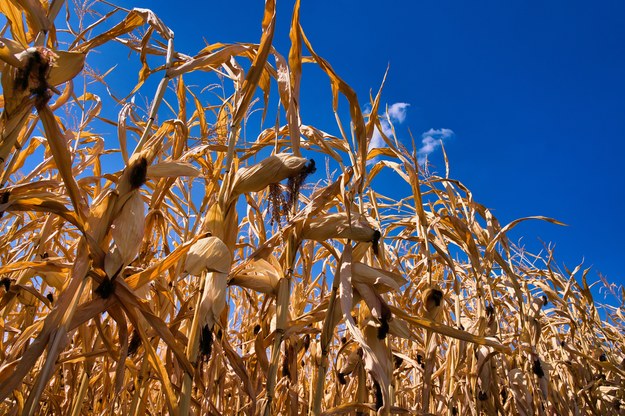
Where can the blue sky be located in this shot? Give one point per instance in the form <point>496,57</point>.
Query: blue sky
<point>533,91</point>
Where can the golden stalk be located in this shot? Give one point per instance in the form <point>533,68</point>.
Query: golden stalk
<point>327,332</point>
<point>184,403</point>
<point>282,308</point>
<point>158,96</point>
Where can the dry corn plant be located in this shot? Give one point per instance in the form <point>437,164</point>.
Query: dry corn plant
<point>205,276</point>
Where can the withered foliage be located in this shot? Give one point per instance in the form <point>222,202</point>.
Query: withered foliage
<point>158,284</point>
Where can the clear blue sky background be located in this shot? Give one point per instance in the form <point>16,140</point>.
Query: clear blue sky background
<point>534,92</point>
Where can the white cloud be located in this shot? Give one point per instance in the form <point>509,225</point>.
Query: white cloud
<point>376,140</point>
<point>431,140</point>
<point>396,114</point>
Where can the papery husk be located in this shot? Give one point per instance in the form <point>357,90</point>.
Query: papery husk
<point>338,225</point>
<point>260,276</point>
<point>382,280</point>
<point>208,254</point>
<point>484,370</point>
<point>378,307</point>
<point>432,299</point>
<point>273,169</point>
<point>113,262</point>
<point>384,357</point>
<point>128,227</point>
<point>375,364</point>
<point>26,298</point>
<point>520,392</point>
<point>399,328</point>
<point>172,169</point>
<point>66,66</point>
<point>213,298</point>
<point>353,359</point>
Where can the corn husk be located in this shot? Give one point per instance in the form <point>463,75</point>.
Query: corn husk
<point>520,392</point>
<point>484,371</point>
<point>113,262</point>
<point>273,169</point>
<point>208,254</point>
<point>172,170</point>
<point>381,280</point>
<point>338,225</point>
<point>432,299</point>
<point>382,355</point>
<point>353,359</point>
<point>128,227</point>
<point>213,298</point>
<point>260,276</point>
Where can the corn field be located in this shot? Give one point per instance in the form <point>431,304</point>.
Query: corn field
<point>165,261</point>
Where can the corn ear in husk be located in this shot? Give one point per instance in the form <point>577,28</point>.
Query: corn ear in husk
<point>273,169</point>
<point>128,227</point>
<point>172,169</point>
<point>353,359</point>
<point>260,276</point>
<point>520,392</point>
<point>432,299</point>
<point>381,280</point>
<point>213,298</point>
<point>338,225</point>
<point>208,254</point>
